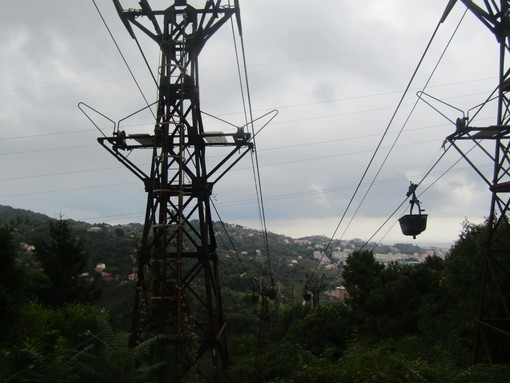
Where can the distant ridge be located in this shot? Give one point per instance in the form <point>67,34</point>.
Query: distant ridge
<point>9,214</point>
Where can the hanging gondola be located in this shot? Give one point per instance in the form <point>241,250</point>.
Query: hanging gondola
<point>413,224</point>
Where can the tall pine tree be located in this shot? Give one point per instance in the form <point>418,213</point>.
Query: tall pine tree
<point>11,289</point>
<point>63,259</point>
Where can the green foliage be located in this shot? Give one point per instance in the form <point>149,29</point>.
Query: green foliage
<point>283,362</point>
<point>407,248</point>
<point>106,360</point>
<point>407,360</point>
<point>324,332</point>
<point>63,260</point>
<point>117,299</point>
<point>38,324</point>
<point>362,274</point>
<point>400,323</point>
<point>363,281</point>
<point>288,316</point>
<point>11,283</point>
<point>464,262</point>
<point>465,267</point>
<point>114,246</point>
<point>44,336</point>
<point>74,343</point>
<point>394,300</point>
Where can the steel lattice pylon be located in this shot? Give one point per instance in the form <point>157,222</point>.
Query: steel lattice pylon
<point>493,321</point>
<point>178,292</point>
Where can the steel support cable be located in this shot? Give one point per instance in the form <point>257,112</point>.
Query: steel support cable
<point>147,63</point>
<point>437,179</point>
<point>252,280</point>
<point>419,183</point>
<point>255,162</point>
<point>480,107</point>
<point>405,200</point>
<point>239,74</point>
<point>260,205</point>
<point>419,195</point>
<point>379,144</point>
<point>404,124</point>
<point>392,214</point>
<point>123,58</point>
<point>249,121</point>
<point>424,191</point>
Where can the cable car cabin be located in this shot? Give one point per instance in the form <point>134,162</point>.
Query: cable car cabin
<point>413,224</point>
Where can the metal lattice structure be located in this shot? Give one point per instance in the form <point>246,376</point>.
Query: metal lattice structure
<point>493,321</point>
<point>313,290</point>
<point>178,292</point>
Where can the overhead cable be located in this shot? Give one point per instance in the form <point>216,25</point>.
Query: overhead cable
<point>122,55</point>
<point>380,142</point>
<point>418,184</point>
<point>247,105</point>
<point>404,124</point>
<point>255,286</point>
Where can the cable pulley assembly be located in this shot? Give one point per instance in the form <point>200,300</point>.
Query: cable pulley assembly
<point>413,224</point>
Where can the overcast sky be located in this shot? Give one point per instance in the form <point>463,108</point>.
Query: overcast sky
<point>334,70</point>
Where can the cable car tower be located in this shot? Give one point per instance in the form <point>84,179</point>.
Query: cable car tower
<point>493,321</point>
<point>178,292</point>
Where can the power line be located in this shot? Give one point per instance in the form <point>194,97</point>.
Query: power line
<point>226,114</point>
<point>335,188</point>
<point>66,189</point>
<point>336,155</point>
<point>47,150</point>
<point>236,169</point>
<point>246,201</point>
<point>61,173</point>
<point>78,83</point>
<point>71,84</point>
<point>47,134</point>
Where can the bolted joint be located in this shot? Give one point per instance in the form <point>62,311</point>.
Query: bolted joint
<point>201,188</point>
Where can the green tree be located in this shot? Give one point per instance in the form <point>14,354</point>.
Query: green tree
<point>11,289</point>
<point>463,280</point>
<point>324,332</point>
<point>408,360</point>
<point>63,259</point>
<point>394,300</point>
<point>284,363</point>
<point>363,281</point>
<point>75,343</point>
